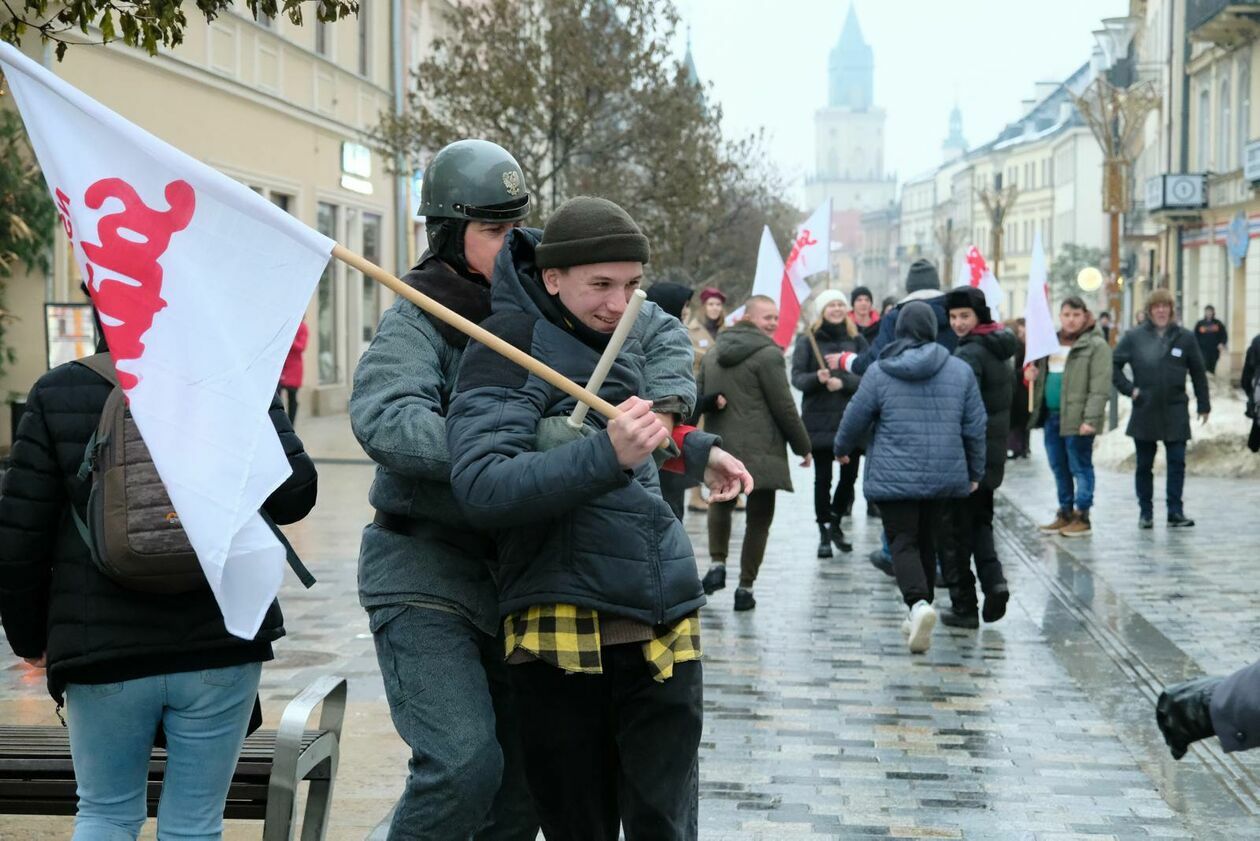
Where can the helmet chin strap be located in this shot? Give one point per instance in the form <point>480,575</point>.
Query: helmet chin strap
<point>446,240</point>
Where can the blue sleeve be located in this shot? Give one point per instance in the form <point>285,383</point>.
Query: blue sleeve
<point>858,416</point>
<point>975,423</point>
<point>887,333</point>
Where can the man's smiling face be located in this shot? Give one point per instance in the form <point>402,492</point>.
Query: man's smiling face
<point>597,293</point>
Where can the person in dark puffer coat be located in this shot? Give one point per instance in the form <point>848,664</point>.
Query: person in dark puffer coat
<point>125,662</point>
<point>926,419</point>
<point>674,299</point>
<point>825,392</point>
<point>987,349</point>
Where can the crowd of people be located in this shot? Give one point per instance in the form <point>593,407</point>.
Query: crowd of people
<point>532,594</point>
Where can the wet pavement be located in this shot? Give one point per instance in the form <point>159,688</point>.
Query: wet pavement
<point>819,724</point>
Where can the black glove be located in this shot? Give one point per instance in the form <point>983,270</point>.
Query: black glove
<point>1184,713</point>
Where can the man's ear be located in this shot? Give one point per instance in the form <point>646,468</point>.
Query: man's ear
<point>551,280</point>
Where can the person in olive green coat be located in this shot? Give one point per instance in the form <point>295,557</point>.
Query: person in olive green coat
<point>749,405</point>
<point>1080,372</point>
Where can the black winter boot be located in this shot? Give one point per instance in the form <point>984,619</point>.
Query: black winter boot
<point>837,537</point>
<point>824,540</point>
<point>1184,713</point>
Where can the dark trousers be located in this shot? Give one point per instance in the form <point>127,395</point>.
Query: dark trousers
<point>1017,441</point>
<point>603,751</point>
<point>829,508</point>
<point>1210,358</point>
<point>674,489</point>
<point>758,517</point>
<point>451,701</point>
<point>912,526</point>
<point>1175,451</point>
<point>290,395</point>
<point>971,522</point>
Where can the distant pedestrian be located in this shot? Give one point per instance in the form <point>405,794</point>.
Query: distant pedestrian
<point>922,409</point>
<point>1212,337</point>
<point>1161,355</point>
<point>674,299</point>
<point>987,349</point>
<point>1017,441</point>
<point>1104,325</point>
<point>864,314</point>
<point>826,390</point>
<point>1070,393</point>
<point>1249,382</point>
<point>1228,708</point>
<point>888,303</point>
<point>758,423</point>
<point>291,373</point>
<point>704,327</point>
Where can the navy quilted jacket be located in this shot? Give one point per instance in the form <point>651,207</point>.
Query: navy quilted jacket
<point>928,424</point>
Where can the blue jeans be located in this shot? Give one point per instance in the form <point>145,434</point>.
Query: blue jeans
<point>1072,460</point>
<point>112,725</point>
<point>1145,479</point>
<point>451,702</point>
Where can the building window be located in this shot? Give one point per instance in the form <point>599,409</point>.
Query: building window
<point>321,37</point>
<point>1205,127</point>
<point>282,201</point>
<point>1224,128</point>
<point>1244,108</point>
<point>329,369</point>
<point>371,289</point>
<point>363,40</point>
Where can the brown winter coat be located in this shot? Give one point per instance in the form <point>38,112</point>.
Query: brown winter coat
<point>760,417</point>
<point>701,339</point>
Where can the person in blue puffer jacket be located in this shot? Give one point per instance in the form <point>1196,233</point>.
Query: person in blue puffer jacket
<point>924,412</point>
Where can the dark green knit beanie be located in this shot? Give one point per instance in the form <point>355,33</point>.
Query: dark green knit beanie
<point>586,230</point>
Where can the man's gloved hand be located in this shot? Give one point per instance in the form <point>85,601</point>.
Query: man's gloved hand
<point>1184,713</point>
<point>556,432</point>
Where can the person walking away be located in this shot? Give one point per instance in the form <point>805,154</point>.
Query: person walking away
<point>291,373</point>
<point>127,664</point>
<point>987,349</point>
<point>1017,440</point>
<point>922,409</point>
<point>596,579</point>
<point>825,391</point>
<point>703,328</point>
<point>673,299</point>
<point>1212,337</point>
<point>1070,393</point>
<point>864,314</point>
<point>1161,355</point>
<point>759,421</point>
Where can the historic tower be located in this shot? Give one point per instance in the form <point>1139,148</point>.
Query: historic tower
<point>849,132</point>
<point>955,145</point>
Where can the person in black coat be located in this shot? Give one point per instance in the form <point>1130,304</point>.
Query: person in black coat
<point>826,390</point>
<point>1212,336</point>
<point>1161,354</point>
<point>1251,368</point>
<point>1017,439</point>
<point>118,657</point>
<point>987,349</point>
<point>675,299</point>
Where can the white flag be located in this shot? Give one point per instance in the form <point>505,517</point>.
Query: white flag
<point>768,280</point>
<point>810,254</point>
<point>981,277</point>
<point>1041,338</point>
<point>200,285</point>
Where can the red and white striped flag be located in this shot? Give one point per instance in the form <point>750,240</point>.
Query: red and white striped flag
<point>200,285</point>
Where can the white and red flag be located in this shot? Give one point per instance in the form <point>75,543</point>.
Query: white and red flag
<point>1040,336</point>
<point>981,277</point>
<point>810,254</point>
<point>200,285</point>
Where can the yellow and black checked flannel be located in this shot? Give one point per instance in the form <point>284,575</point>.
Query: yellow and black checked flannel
<point>567,637</point>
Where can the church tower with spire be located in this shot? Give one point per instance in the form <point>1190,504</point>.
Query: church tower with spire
<point>849,132</point>
<point>955,145</point>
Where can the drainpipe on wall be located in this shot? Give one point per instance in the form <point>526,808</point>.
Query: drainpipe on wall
<point>1185,156</point>
<point>402,180</point>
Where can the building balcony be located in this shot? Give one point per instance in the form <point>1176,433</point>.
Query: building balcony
<point>1228,188</point>
<point>1224,22</point>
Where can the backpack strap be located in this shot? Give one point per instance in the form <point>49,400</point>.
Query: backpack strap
<point>295,563</point>
<point>102,364</point>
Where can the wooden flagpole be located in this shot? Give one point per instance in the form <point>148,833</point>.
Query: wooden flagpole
<point>467,327</point>
<point>813,343</point>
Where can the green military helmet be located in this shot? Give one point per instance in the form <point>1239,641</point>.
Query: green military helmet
<point>474,179</point>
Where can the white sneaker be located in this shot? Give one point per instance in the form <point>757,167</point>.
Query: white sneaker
<point>905,627</point>
<point>922,620</point>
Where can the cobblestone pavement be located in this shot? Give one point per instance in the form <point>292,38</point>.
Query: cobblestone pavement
<point>820,725</point>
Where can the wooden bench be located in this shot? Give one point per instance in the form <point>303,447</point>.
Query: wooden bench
<point>37,775</point>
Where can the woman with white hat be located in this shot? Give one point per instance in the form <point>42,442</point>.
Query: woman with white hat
<point>826,391</point>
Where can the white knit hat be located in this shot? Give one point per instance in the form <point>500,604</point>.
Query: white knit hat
<point>827,296</point>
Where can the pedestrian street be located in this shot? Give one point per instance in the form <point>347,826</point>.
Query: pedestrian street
<point>819,724</point>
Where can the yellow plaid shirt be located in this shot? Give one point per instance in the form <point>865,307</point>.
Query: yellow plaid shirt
<point>567,637</point>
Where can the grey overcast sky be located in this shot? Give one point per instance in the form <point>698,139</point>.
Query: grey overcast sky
<point>767,62</point>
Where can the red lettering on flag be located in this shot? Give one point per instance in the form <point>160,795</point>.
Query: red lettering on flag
<point>63,211</point>
<point>128,302</point>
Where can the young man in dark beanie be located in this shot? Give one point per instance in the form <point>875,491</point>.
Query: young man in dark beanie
<point>596,578</point>
<point>987,348</point>
<point>864,314</point>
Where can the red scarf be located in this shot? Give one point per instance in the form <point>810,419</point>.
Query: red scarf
<point>986,329</point>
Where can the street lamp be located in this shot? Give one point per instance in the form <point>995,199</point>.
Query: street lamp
<point>1115,109</point>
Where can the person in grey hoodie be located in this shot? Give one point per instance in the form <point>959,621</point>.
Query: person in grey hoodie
<point>923,412</point>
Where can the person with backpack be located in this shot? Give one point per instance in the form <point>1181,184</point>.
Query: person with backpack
<point>987,349</point>
<point>127,628</point>
<point>921,409</point>
<point>825,391</point>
